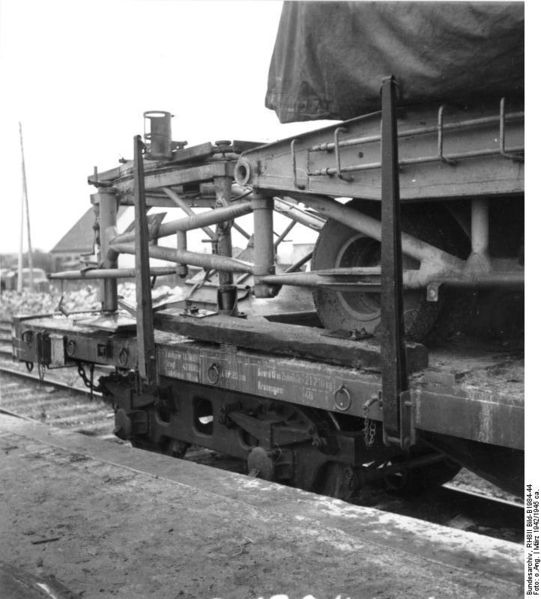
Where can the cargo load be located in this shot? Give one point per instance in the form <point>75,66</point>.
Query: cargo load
<point>330,57</point>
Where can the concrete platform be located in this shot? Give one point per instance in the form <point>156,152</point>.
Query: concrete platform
<point>108,520</point>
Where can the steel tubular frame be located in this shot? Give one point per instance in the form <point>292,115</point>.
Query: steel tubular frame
<point>436,266</point>
<point>420,250</point>
<point>263,244</point>
<point>205,261</point>
<point>196,221</point>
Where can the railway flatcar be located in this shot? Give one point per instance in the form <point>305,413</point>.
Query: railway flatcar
<point>390,353</point>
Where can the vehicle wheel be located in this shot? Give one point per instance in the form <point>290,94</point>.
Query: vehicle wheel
<point>339,246</point>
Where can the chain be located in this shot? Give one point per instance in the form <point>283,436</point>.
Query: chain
<point>89,382</point>
<point>369,426</point>
<point>369,430</point>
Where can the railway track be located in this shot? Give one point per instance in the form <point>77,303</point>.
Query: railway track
<point>66,403</point>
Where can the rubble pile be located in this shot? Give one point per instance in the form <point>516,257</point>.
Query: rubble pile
<point>86,298</point>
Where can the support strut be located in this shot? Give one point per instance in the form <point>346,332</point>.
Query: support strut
<point>145,329</point>
<point>108,207</point>
<point>396,423</point>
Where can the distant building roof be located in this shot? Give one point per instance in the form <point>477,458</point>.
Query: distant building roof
<point>80,238</point>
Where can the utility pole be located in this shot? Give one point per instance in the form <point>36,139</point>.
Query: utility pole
<point>21,249</point>
<point>25,208</point>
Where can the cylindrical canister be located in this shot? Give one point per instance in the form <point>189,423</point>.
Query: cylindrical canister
<point>159,135</point>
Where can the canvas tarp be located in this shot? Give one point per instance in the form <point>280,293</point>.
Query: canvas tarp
<point>330,57</point>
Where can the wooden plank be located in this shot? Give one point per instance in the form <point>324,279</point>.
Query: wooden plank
<point>476,414</point>
<point>284,339</point>
<point>179,176</point>
<point>198,152</point>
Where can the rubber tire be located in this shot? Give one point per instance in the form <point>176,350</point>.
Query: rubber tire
<point>346,311</point>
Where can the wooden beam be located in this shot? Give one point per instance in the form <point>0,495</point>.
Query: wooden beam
<point>284,339</point>
<point>181,175</point>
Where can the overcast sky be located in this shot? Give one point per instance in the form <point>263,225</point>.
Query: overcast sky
<point>80,74</point>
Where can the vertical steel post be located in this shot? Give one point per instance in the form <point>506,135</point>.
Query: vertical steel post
<point>108,207</point>
<point>393,353</point>
<point>263,243</point>
<point>145,327</point>
<point>182,246</point>
<point>224,246</point>
<point>227,291</point>
<point>479,234</point>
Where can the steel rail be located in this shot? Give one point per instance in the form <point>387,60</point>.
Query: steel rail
<point>49,381</point>
<point>329,171</point>
<point>471,123</point>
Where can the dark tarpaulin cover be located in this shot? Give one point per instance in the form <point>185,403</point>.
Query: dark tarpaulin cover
<point>330,57</point>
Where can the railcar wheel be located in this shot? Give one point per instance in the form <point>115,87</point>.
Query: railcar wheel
<point>336,480</point>
<point>339,246</point>
<point>419,480</point>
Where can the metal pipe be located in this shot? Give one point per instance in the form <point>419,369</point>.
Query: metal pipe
<point>284,234</point>
<point>314,280</point>
<point>238,228</point>
<point>296,266</point>
<point>263,243</point>
<point>224,245</point>
<point>182,246</point>
<point>422,159</point>
<point>108,207</point>
<point>413,279</point>
<point>329,146</point>
<point>109,273</point>
<point>293,212</point>
<point>205,261</point>
<point>196,221</point>
<point>293,268</point>
<point>411,246</point>
<point>187,209</point>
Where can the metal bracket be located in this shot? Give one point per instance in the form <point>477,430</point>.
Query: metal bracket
<point>339,173</point>
<point>294,165</point>
<point>440,139</point>
<point>406,432</point>
<point>503,152</point>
